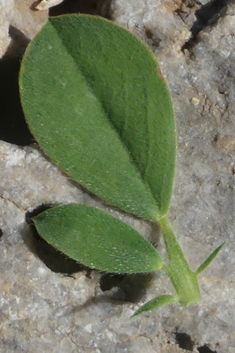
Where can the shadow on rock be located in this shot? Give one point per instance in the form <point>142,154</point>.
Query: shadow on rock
<point>51,257</point>
<point>13,126</point>
<point>129,287</point>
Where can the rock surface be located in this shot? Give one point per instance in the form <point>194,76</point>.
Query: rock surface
<point>19,24</point>
<point>6,7</point>
<point>46,311</point>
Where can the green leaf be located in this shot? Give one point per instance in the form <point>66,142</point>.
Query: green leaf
<point>156,303</point>
<point>97,103</point>
<point>209,259</point>
<point>96,239</point>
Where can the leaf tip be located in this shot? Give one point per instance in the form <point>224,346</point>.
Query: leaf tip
<point>209,259</point>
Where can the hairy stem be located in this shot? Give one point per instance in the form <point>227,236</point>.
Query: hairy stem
<point>184,280</point>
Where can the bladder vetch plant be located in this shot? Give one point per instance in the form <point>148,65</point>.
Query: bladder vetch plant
<point>95,100</point>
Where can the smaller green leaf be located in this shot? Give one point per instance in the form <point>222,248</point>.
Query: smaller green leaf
<point>96,239</point>
<point>210,258</point>
<point>156,303</point>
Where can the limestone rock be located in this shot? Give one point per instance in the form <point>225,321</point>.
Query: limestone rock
<point>46,4</point>
<point>6,6</point>
<point>19,24</point>
<point>45,311</point>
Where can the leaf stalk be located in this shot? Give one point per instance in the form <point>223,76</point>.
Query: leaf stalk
<point>184,280</point>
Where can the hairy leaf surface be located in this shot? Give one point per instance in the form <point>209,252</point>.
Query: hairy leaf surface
<point>156,303</point>
<point>97,103</point>
<point>96,239</point>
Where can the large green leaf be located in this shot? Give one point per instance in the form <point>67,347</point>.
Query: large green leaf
<point>96,239</point>
<point>96,102</point>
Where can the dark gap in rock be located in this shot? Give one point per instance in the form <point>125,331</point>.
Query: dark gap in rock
<point>92,7</point>
<point>151,38</point>
<point>74,6</point>
<point>109,281</point>
<point>205,349</point>
<point>51,257</point>
<point>149,33</point>
<point>207,15</point>
<point>130,288</point>
<point>13,126</point>
<point>1,234</point>
<point>39,209</point>
<point>184,341</point>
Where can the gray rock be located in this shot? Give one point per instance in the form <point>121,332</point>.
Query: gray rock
<point>45,311</point>
<point>19,24</point>
<point>6,6</point>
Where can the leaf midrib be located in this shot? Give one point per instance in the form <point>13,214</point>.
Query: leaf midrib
<point>146,185</point>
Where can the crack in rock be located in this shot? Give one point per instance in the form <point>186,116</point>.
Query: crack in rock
<point>207,15</point>
<point>13,203</point>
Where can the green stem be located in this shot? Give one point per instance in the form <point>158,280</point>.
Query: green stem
<point>184,280</point>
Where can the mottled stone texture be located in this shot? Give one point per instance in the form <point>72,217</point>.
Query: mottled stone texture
<point>19,23</point>
<point>45,311</point>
